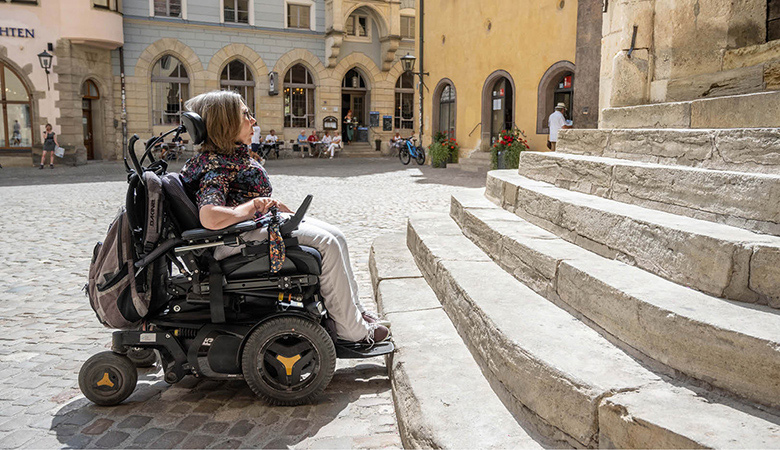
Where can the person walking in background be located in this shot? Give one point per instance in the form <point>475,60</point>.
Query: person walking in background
<point>256,136</point>
<point>16,137</point>
<point>556,121</point>
<point>49,145</point>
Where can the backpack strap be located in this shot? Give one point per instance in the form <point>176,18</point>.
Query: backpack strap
<point>154,211</point>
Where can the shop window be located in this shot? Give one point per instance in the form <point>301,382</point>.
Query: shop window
<point>298,16</point>
<point>167,8</point>
<point>236,11</point>
<point>299,97</point>
<point>446,116</point>
<point>170,88</point>
<point>237,77</point>
<point>357,26</point>
<point>15,112</point>
<point>772,20</point>
<point>404,102</point>
<point>407,27</point>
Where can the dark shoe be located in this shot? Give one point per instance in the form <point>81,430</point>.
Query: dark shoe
<point>371,318</point>
<point>41,167</point>
<point>51,166</point>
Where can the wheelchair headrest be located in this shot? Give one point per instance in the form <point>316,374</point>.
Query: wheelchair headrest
<point>182,206</point>
<point>195,126</point>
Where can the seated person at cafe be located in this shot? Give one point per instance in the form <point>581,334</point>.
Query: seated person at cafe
<point>313,141</point>
<point>301,140</point>
<point>335,144</point>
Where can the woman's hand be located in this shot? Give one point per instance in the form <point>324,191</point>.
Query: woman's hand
<point>264,204</point>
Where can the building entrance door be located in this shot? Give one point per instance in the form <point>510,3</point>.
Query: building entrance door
<point>90,95</point>
<point>354,97</point>
<point>502,104</point>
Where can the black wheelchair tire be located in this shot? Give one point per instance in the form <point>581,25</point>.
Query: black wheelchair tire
<point>107,378</point>
<point>264,378</point>
<point>420,156</point>
<point>142,357</point>
<point>404,156</point>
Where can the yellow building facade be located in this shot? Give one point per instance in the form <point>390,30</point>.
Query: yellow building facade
<point>495,64</point>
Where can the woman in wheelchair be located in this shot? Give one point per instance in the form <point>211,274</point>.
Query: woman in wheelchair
<point>231,187</point>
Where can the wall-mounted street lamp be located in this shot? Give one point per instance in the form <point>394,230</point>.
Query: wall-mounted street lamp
<point>407,62</point>
<point>45,59</point>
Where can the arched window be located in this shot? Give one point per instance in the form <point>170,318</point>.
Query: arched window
<point>299,97</point>
<point>447,111</point>
<point>170,88</point>
<point>237,77</point>
<point>15,107</point>
<point>404,102</point>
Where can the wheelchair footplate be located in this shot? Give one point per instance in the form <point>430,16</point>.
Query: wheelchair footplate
<point>356,350</point>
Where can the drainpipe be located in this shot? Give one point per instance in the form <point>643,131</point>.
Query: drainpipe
<point>422,64</point>
<point>124,99</point>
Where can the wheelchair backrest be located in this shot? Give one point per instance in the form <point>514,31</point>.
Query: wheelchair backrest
<point>181,205</point>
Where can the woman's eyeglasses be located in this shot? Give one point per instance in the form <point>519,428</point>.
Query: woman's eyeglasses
<point>247,114</point>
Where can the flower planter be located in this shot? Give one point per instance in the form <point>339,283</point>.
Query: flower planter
<point>439,164</point>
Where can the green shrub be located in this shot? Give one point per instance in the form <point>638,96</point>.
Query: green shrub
<point>439,153</point>
<point>510,143</point>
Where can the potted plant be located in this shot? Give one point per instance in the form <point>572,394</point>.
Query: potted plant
<point>439,154</point>
<point>454,149</point>
<point>505,153</point>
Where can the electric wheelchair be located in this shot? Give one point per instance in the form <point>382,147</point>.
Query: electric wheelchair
<point>228,319</point>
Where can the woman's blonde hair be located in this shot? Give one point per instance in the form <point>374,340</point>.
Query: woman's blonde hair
<point>221,113</point>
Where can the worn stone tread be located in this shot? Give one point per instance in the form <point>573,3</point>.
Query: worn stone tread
<point>441,398</point>
<point>573,379</point>
<point>740,199</point>
<point>717,259</point>
<point>727,344</point>
<point>548,361</point>
<point>744,149</point>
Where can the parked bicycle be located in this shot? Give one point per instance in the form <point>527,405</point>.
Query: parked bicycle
<point>408,150</point>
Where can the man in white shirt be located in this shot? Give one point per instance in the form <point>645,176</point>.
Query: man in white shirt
<point>556,121</point>
<point>271,142</point>
<point>256,135</point>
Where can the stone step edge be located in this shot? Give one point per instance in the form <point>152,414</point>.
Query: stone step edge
<point>462,413</point>
<point>566,274</point>
<point>753,149</point>
<point>617,420</point>
<point>738,194</point>
<point>740,265</point>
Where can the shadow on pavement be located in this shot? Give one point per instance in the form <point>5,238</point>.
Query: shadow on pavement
<point>200,413</point>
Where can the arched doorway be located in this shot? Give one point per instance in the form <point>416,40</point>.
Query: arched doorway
<point>15,113</point>
<point>355,97</point>
<point>556,86</point>
<point>89,97</point>
<point>502,108</point>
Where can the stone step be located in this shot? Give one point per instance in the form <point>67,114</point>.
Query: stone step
<point>716,259</point>
<point>441,398</point>
<point>555,370</point>
<point>728,345</point>
<point>745,150</point>
<point>744,200</point>
<point>759,110</point>
<point>477,161</point>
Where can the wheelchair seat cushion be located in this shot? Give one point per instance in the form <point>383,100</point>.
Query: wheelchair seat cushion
<point>298,260</point>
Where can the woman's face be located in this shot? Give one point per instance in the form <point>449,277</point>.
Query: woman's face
<point>247,122</point>
<point>48,128</point>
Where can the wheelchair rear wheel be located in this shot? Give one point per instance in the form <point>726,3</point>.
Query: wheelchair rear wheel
<point>404,156</point>
<point>107,378</point>
<point>288,360</point>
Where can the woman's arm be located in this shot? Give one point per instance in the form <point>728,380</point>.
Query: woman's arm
<point>55,141</point>
<point>216,217</point>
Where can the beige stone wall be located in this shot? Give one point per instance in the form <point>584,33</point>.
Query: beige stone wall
<point>684,50</point>
<point>204,77</point>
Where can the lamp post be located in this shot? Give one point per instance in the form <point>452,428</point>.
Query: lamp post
<point>407,62</point>
<point>45,59</point>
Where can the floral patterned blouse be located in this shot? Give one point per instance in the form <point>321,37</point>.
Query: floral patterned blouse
<point>225,180</point>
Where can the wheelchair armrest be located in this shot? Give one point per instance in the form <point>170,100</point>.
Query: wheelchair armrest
<point>201,234</point>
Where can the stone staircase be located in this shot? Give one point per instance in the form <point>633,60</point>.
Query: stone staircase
<point>477,161</point>
<point>359,150</point>
<point>619,293</point>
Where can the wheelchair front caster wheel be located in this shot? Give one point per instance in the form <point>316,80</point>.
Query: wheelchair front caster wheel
<point>107,378</point>
<point>142,357</point>
<point>288,361</point>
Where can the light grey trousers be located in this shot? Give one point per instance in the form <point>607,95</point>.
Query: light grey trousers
<point>337,281</point>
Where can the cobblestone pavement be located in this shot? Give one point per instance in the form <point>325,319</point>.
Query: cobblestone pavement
<point>47,329</point>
